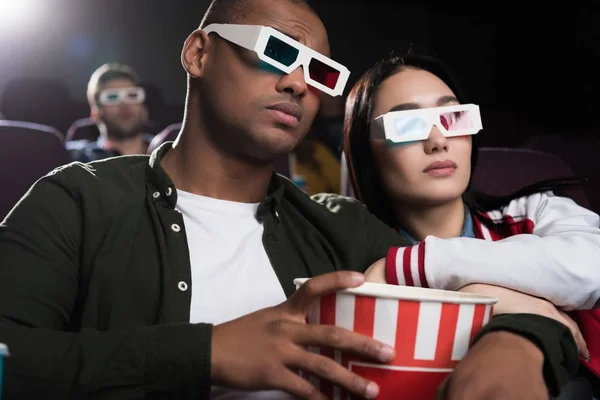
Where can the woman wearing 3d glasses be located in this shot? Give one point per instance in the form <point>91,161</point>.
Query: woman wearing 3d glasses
<point>410,143</point>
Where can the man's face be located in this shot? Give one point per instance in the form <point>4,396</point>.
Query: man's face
<point>121,109</point>
<point>239,91</point>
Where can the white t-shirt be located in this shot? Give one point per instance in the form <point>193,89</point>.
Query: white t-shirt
<point>231,272</point>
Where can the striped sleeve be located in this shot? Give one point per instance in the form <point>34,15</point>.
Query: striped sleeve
<point>542,245</point>
<point>405,266</point>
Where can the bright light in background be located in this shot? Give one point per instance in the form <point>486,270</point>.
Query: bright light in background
<point>19,15</point>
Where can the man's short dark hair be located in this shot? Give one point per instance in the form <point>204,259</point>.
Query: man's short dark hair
<point>231,11</point>
<point>106,73</point>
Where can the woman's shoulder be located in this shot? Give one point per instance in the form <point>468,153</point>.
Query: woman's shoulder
<point>535,206</point>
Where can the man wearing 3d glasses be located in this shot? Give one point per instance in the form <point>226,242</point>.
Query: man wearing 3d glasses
<point>117,103</point>
<point>172,276</point>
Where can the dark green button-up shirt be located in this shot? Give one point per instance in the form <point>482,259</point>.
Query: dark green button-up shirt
<point>95,279</point>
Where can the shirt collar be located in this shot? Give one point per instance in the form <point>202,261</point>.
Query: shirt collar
<point>161,187</point>
<point>467,230</point>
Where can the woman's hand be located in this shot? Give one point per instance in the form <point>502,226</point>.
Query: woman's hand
<point>513,302</point>
<point>376,272</point>
<point>509,302</point>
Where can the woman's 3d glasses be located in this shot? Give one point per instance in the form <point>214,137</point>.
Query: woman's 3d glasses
<point>414,125</point>
<point>286,54</point>
<point>131,95</point>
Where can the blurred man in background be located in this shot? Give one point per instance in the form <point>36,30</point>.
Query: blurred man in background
<point>117,103</point>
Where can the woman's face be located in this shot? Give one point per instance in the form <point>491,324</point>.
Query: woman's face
<point>405,168</point>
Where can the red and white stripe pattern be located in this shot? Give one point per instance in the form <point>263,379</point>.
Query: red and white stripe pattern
<point>574,234</point>
<point>430,338</point>
<point>494,225</point>
<point>406,266</point>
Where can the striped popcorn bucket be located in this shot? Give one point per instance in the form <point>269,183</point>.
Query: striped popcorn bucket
<point>3,353</point>
<point>431,331</point>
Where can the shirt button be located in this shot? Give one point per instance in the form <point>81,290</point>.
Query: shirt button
<point>169,191</point>
<point>156,195</point>
<point>182,286</point>
<point>175,228</point>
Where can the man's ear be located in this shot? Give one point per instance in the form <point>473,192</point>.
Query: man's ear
<point>193,55</point>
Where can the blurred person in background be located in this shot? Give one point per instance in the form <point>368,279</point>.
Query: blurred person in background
<point>315,162</point>
<point>117,103</point>
<point>330,121</point>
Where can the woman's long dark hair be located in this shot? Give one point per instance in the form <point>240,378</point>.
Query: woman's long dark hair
<point>362,169</point>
